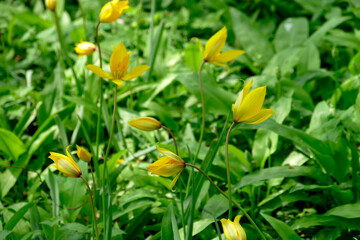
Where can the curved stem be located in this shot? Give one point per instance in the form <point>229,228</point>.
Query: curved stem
<point>93,206</point>
<point>173,137</point>
<point>64,53</point>
<point>98,43</point>
<point>228,168</point>
<point>225,195</point>
<point>203,111</point>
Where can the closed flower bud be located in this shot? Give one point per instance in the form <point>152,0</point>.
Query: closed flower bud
<point>233,230</point>
<point>65,164</point>
<point>84,48</point>
<point>145,124</point>
<point>51,4</point>
<point>111,11</point>
<point>168,165</point>
<point>83,154</point>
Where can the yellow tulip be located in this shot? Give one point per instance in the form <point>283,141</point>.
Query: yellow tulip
<point>65,164</point>
<point>111,11</point>
<point>145,123</point>
<point>168,165</point>
<point>50,4</point>
<point>83,154</point>
<point>119,64</point>
<point>247,108</point>
<point>84,48</point>
<point>213,48</point>
<point>233,230</point>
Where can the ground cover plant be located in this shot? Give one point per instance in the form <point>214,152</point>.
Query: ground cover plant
<point>179,119</point>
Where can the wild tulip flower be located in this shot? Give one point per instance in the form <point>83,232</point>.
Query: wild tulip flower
<point>112,10</point>
<point>65,164</point>
<point>119,64</point>
<point>233,230</point>
<point>168,165</point>
<point>213,48</point>
<point>51,4</point>
<point>85,48</point>
<point>83,154</point>
<point>145,123</point>
<point>247,108</point>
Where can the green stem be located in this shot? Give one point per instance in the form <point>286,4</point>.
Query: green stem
<point>64,53</point>
<point>203,111</point>
<point>96,161</point>
<point>228,168</point>
<point>173,137</point>
<point>225,195</point>
<point>93,207</point>
<point>112,123</point>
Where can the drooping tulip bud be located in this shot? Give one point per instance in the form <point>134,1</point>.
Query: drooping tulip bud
<point>65,164</point>
<point>83,154</point>
<point>233,230</point>
<point>51,4</point>
<point>145,124</point>
<point>112,10</point>
<point>84,48</point>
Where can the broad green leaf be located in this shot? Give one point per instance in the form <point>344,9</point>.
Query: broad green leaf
<point>198,227</point>
<point>254,42</point>
<point>284,230</point>
<point>346,211</point>
<point>10,144</point>
<point>215,207</point>
<point>291,33</point>
<point>310,59</point>
<point>193,57</point>
<point>17,216</point>
<point>169,228</point>
<point>324,220</point>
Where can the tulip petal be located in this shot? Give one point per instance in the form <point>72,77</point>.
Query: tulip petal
<point>251,105</point>
<point>228,56</point>
<point>166,166</point>
<point>239,228</point>
<point>221,64</point>
<point>229,229</point>
<point>215,44</point>
<point>241,97</point>
<point>98,71</point>
<point>119,61</point>
<point>71,160</point>
<point>199,43</point>
<point>118,82</point>
<point>260,117</point>
<point>135,72</point>
<point>173,182</point>
<point>145,123</point>
<point>169,154</point>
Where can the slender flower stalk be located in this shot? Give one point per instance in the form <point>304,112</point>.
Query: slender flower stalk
<point>64,53</point>
<point>225,195</point>
<point>93,207</point>
<point>203,111</point>
<point>228,169</point>
<point>173,137</point>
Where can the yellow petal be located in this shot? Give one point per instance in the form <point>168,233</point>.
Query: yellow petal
<point>221,64</point>
<point>135,72</point>
<point>199,43</point>
<point>98,71</point>
<point>118,82</point>
<point>65,165</point>
<point>145,123</point>
<point>228,56</point>
<point>85,48</point>
<point>260,117</point>
<point>111,11</point>
<point>169,154</point>
<point>166,166</point>
<point>251,105</point>
<point>51,4</point>
<point>239,229</point>
<point>215,44</point>
<point>71,160</point>
<point>83,154</point>
<point>229,229</point>
<point>119,61</point>
<point>241,97</point>
<point>173,182</point>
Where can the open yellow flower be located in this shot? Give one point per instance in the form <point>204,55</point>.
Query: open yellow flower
<point>168,165</point>
<point>51,4</point>
<point>233,230</point>
<point>84,48</point>
<point>65,164</point>
<point>119,64</point>
<point>213,48</point>
<point>83,154</point>
<point>145,123</point>
<point>247,108</point>
<point>113,10</point>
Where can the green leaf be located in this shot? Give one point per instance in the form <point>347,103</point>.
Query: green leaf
<point>351,210</point>
<point>169,228</point>
<point>10,144</point>
<point>255,44</point>
<point>291,33</point>
<point>215,206</point>
<point>17,216</point>
<point>198,227</point>
<point>284,230</point>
